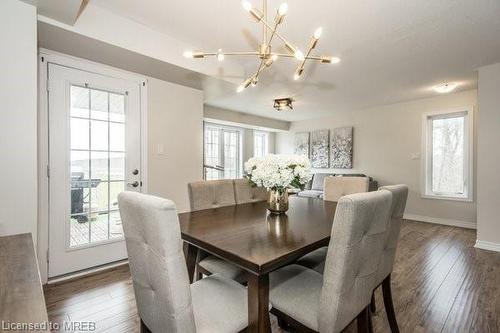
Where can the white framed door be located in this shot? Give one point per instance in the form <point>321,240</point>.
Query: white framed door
<point>222,152</point>
<point>94,154</point>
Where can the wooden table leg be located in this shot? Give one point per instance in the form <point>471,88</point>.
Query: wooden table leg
<point>258,304</point>
<point>190,252</point>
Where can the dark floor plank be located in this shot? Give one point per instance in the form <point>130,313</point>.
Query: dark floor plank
<point>441,283</point>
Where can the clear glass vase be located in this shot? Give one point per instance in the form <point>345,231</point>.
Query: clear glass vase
<point>277,202</point>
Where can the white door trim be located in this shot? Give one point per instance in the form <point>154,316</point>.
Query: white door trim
<point>44,58</point>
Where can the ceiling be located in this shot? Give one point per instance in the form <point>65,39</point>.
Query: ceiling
<point>391,50</point>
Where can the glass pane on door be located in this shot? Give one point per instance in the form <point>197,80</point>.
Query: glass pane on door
<point>97,167</point>
<point>212,153</point>
<point>231,152</point>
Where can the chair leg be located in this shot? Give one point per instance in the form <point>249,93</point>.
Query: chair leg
<point>282,324</point>
<point>144,328</point>
<point>389,306</point>
<point>362,321</point>
<point>373,307</point>
<point>370,321</point>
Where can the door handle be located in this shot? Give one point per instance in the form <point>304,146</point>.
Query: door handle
<point>133,184</point>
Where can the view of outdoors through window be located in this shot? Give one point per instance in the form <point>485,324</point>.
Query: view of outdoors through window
<point>260,144</point>
<point>97,168</point>
<point>448,155</point>
<point>222,152</point>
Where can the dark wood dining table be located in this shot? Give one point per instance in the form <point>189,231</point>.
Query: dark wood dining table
<point>248,236</point>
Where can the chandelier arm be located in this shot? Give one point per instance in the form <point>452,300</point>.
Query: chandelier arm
<point>312,45</point>
<point>268,43</point>
<point>288,55</point>
<point>243,53</point>
<point>260,69</point>
<point>316,58</point>
<point>264,17</point>
<point>283,39</point>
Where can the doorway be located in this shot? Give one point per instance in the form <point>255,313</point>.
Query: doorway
<point>94,154</point>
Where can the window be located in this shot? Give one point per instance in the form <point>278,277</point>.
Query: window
<point>260,143</point>
<point>448,151</point>
<point>222,148</point>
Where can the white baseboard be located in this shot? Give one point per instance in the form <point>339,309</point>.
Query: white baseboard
<point>72,276</point>
<point>484,245</point>
<point>438,220</point>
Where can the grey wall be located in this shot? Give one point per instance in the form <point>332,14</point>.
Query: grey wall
<point>18,127</point>
<point>488,195</point>
<point>175,121</point>
<point>386,139</point>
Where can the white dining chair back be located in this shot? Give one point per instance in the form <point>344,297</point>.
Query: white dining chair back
<point>208,194</point>
<point>157,264</point>
<point>399,197</point>
<point>337,187</point>
<point>246,193</point>
<point>354,252</point>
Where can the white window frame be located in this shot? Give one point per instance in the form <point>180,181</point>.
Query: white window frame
<point>426,174</point>
<point>221,146</point>
<point>265,143</point>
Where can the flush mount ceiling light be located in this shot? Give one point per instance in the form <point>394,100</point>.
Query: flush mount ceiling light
<point>267,57</point>
<point>283,104</point>
<point>446,87</point>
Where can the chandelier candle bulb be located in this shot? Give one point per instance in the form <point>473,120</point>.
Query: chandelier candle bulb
<point>283,9</point>
<point>246,5</point>
<point>299,55</point>
<point>281,13</point>
<point>334,60</point>
<point>317,33</point>
<point>220,55</point>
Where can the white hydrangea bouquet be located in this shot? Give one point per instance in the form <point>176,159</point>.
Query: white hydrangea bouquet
<point>278,173</point>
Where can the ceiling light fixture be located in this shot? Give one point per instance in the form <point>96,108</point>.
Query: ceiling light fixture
<point>267,57</point>
<point>446,87</point>
<point>283,104</point>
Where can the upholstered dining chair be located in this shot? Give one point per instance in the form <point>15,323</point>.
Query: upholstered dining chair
<point>305,300</point>
<point>399,197</point>
<point>165,300</point>
<point>246,193</point>
<point>337,187</point>
<point>334,189</point>
<point>207,195</point>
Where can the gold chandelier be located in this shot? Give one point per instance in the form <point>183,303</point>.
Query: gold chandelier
<point>267,57</point>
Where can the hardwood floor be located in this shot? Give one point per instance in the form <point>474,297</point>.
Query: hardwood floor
<point>441,283</point>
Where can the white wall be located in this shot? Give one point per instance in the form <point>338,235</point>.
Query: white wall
<point>488,177</point>
<point>109,27</point>
<point>18,124</point>
<point>175,121</point>
<point>385,138</point>
<point>250,120</point>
